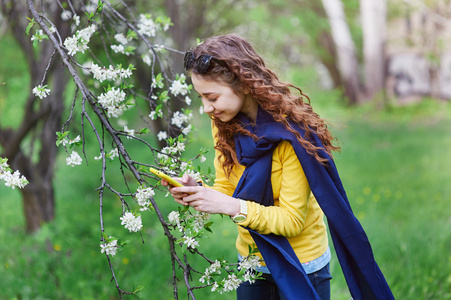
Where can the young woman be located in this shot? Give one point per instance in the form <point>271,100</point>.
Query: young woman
<point>274,177</point>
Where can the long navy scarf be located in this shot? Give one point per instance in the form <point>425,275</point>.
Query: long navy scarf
<point>364,278</point>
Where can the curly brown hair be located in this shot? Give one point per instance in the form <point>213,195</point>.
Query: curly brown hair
<point>245,69</point>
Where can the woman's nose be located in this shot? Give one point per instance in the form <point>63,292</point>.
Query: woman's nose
<point>208,108</point>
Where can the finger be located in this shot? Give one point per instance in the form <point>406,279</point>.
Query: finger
<point>180,201</point>
<point>187,189</point>
<point>185,178</point>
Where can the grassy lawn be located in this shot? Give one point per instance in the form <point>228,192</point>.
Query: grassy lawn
<point>395,167</point>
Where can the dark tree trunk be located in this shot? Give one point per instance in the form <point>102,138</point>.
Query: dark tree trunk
<point>41,121</point>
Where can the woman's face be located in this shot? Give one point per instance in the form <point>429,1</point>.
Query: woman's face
<point>221,101</point>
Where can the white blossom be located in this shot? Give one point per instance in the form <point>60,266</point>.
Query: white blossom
<point>119,49</point>
<point>90,8</point>
<point>109,248</point>
<point>147,60</point>
<point>179,86</point>
<point>231,283</point>
<point>38,36</point>
<point>73,159</point>
<point>214,268</point>
<point>41,91</point>
<point>76,19</point>
<point>158,48</point>
<point>174,218</point>
<point>201,110</point>
<point>130,132</point>
<point>113,102</point>
<point>114,153</point>
<point>12,180</point>
<point>214,287</point>
<point>250,262</point>
<point>187,129</point>
<point>66,15</point>
<point>153,115</point>
<point>180,147</point>
<point>147,26</point>
<point>121,38</point>
<point>79,41</point>
<point>188,100</point>
<point>178,118</point>
<point>111,73</point>
<point>191,242</point>
<point>76,140</point>
<point>202,158</point>
<point>142,197</point>
<point>130,222</point>
<point>162,135</point>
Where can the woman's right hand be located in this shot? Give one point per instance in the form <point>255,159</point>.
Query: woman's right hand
<point>186,180</point>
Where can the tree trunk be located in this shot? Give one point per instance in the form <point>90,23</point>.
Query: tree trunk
<point>373,18</point>
<point>347,58</point>
<point>41,121</point>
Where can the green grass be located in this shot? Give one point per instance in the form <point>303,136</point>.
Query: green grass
<point>395,171</point>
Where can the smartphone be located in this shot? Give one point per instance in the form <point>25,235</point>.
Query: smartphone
<point>160,174</point>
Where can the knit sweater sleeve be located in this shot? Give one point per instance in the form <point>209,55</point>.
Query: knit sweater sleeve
<point>292,195</point>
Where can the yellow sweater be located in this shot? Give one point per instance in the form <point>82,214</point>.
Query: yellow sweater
<point>295,214</point>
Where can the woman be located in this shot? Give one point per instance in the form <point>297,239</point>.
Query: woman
<point>272,152</point>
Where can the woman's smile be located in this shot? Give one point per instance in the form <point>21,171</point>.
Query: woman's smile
<point>221,101</point>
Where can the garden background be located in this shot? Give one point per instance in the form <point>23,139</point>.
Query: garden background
<point>395,165</point>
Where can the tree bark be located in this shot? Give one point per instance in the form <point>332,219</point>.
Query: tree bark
<point>41,121</point>
<point>346,53</point>
<point>373,18</point>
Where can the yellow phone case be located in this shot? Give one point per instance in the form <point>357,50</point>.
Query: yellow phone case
<point>171,181</point>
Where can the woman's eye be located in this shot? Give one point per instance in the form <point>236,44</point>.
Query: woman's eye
<point>213,99</point>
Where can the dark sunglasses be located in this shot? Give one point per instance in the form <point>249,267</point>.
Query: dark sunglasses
<point>202,63</point>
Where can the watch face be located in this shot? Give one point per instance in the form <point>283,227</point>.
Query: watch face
<point>239,218</point>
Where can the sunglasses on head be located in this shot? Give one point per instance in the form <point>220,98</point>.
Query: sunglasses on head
<point>202,64</point>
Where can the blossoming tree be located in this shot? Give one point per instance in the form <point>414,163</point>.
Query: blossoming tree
<point>104,93</point>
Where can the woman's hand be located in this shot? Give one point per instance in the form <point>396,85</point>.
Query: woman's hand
<point>186,180</point>
<point>202,198</point>
<point>207,200</point>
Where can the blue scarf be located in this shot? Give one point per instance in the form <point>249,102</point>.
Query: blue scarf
<point>363,276</point>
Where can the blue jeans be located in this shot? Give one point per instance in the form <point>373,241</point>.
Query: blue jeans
<point>266,289</point>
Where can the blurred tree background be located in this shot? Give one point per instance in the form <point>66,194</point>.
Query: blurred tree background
<point>381,68</point>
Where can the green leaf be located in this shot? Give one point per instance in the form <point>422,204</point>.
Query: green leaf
<point>145,130</point>
<point>138,289</point>
<point>29,26</point>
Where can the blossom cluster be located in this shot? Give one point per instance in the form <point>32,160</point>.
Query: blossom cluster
<point>109,248</point>
<point>191,225</point>
<point>65,141</point>
<point>149,27</point>
<point>111,155</point>
<point>111,73</point>
<point>41,91</point>
<point>131,222</point>
<point>179,118</point>
<point>39,36</point>
<point>212,275</point>
<point>11,179</point>
<point>113,101</point>
<point>142,197</point>
<point>179,86</point>
<point>74,159</point>
<point>79,41</point>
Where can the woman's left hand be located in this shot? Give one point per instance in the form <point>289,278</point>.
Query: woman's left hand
<point>208,200</point>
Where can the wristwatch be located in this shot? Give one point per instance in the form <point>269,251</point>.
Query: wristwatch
<point>242,215</point>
